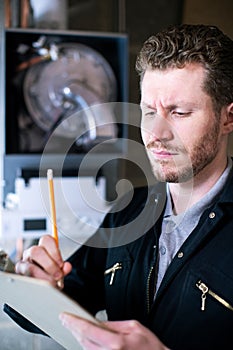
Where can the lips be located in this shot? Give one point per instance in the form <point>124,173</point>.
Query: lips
<point>162,153</point>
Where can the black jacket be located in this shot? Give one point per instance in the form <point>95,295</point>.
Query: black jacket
<point>175,316</point>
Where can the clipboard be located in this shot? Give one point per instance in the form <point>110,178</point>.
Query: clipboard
<point>41,303</point>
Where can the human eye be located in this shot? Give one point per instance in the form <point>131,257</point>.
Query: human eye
<point>148,113</point>
<point>180,113</point>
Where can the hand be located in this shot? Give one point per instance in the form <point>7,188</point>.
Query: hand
<point>117,335</point>
<point>44,261</point>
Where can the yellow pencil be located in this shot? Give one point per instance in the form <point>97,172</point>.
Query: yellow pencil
<point>60,283</point>
<point>52,205</point>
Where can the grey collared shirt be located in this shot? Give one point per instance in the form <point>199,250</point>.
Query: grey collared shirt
<point>176,228</point>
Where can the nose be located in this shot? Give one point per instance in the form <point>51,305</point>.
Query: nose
<point>156,129</point>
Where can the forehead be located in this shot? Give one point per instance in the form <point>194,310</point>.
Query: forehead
<point>173,83</point>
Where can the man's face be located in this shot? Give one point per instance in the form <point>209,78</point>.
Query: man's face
<point>180,130</point>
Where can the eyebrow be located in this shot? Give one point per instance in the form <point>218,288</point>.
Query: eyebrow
<point>143,104</point>
<point>190,105</point>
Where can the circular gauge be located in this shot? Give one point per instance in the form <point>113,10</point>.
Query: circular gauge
<point>80,77</point>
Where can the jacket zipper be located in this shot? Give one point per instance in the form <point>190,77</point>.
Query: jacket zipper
<point>148,288</point>
<point>205,290</point>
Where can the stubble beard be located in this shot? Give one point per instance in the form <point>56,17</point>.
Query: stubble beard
<point>192,161</point>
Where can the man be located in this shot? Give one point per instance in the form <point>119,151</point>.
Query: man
<point>173,285</point>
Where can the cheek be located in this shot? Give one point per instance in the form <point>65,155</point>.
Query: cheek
<point>147,130</point>
<point>145,136</point>
<point>189,135</point>
<point>190,138</point>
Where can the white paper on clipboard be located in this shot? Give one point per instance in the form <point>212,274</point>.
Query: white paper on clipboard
<point>41,303</point>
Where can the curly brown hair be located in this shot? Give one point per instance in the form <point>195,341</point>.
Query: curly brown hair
<point>179,45</point>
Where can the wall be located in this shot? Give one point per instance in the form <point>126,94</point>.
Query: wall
<point>138,19</point>
<point>218,12</point>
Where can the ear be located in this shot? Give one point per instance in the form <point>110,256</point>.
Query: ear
<point>228,120</point>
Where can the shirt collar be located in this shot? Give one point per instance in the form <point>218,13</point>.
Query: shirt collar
<point>205,201</point>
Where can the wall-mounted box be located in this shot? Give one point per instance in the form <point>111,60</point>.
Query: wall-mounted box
<point>40,67</point>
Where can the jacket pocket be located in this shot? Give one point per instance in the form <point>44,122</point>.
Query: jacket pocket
<point>205,290</point>
<point>116,287</point>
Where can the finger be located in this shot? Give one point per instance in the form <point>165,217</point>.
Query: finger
<point>49,243</point>
<point>94,333</point>
<point>86,344</point>
<point>39,256</point>
<point>32,270</point>
<point>67,267</point>
<point>135,333</point>
<point>89,345</point>
<point>124,326</point>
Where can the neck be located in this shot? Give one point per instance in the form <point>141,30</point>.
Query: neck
<point>185,195</point>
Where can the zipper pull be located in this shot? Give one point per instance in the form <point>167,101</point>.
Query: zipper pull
<point>203,287</point>
<point>112,270</point>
